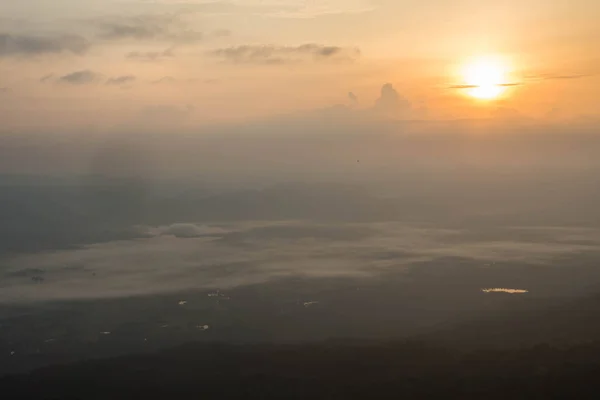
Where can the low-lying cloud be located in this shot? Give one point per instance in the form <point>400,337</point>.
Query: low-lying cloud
<point>390,101</point>
<point>150,56</point>
<point>121,80</point>
<point>188,256</point>
<point>29,45</point>
<point>557,76</point>
<point>190,230</point>
<point>80,77</point>
<point>86,77</point>
<point>465,86</point>
<point>166,27</point>
<point>276,9</point>
<point>271,54</point>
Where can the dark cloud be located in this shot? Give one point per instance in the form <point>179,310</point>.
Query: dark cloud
<point>79,77</point>
<point>4,90</point>
<point>353,98</point>
<point>270,54</point>
<point>150,27</point>
<point>117,31</point>
<point>150,55</point>
<point>134,28</point>
<point>14,45</point>
<point>390,101</point>
<point>535,77</point>
<point>557,77</point>
<point>46,78</point>
<point>527,78</point>
<point>121,80</point>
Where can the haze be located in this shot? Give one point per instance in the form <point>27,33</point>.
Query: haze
<point>291,170</point>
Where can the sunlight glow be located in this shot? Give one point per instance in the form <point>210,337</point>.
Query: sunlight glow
<point>485,77</point>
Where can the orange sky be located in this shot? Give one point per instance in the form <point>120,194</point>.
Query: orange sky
<point>176,63</point>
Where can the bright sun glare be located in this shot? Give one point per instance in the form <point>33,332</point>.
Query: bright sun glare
<point>484,77</point>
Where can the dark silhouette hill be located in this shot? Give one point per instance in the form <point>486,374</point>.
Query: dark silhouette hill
<point>525,322</point>
<point>541,351</point>
<point>330,370</point>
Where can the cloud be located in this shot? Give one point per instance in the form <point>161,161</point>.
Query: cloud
<point>46,78</point>
<point>271,54</point>
<point>302,10</point>
<point>4,90</point>
<point>476,86</point>
<point>87,76</point>
<point>298,231</point>
<point>557,76</point>
<point>149,28</point>
<point>534,77</point>
<point>149,56</point>
<point>189,230</point>
<point>79,77</point>
<point>165,80</point>
<point>134,28</point>
<point>261,252</point>
<point>121,80</point>
<point>566,76</point>
<point>24,45</point>
<point>288,9</point>
<point>390,101</point>
<point>353,99</point>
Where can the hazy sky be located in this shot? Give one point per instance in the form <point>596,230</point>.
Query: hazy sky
<point>110,64</point>
<point>159,146</point>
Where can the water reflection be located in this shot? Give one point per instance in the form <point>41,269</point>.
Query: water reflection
<point>505,290</point>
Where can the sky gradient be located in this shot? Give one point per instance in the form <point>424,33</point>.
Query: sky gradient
<point>281,170</point>
<point>171,64</point>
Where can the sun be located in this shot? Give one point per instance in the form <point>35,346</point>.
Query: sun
<point>485,77</point>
